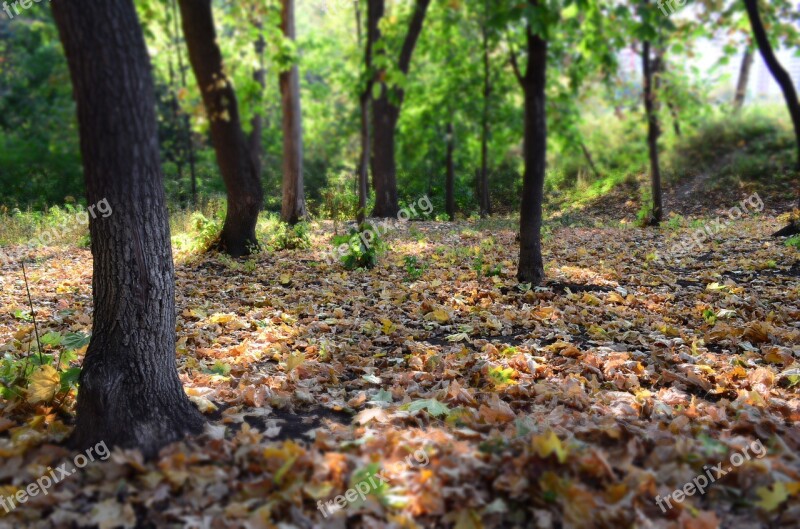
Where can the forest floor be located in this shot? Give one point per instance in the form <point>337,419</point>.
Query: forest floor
<point>446,393</point>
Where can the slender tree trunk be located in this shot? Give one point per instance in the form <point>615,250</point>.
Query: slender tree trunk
<point>653,133</point>
<point>234,157</point>
<point>744,80</point>
<point>784,80</point>
<point>257,121</point>
<point>531,262</point>
<point>450,199</point>
<point>293,208</point>
<point>781,76</point>
<point>187,126</point>
<point>484,201</point>
<point>364,101</point>
<point>590,160</point>
<point>386,110</point>
<point>130,394</point>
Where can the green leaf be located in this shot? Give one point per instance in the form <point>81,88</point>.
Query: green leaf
<point>75,340</point>
<point>69,378</point>
<point>432,406</point>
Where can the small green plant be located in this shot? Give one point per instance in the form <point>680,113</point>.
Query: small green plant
<point>288,237</point>
<point>359,254</point>
<point>206,230</point>
<point>675,222</point>
<point>793,241</point>
<point>414,268</point>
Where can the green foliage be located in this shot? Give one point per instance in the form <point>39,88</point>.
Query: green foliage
<point>793,241</point>
<point>286,237</point>
<point>414,267</point>
<point>58,353</point>
<point>360,255</point>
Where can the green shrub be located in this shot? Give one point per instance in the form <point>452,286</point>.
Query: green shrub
<point>286,237</point>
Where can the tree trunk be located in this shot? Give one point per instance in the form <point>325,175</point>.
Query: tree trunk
<point>484,202</point>
<point>744,80</point>
<point>234,157</point>
<point>257,121</point>
<point>781,76</point>
<point>653,133</point>
<point>364,100</point>
<point>531,262</point>
<point>293,208</point>
<point>130,394</point>
<point>784,80</point>
<point>386,110</point>
<point>450,200</point>
<point>590,160</point>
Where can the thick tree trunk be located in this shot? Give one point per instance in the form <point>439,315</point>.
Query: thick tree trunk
<point>744,80</point>
<point>484,202</point>
<point>653,133</point>
<point>450,199</point>
<point>386,110</point>
<point>234,157</point>
<point>130,394</point>
<point>531,262</point>
<point>781,76</point>
<point>293,207</point>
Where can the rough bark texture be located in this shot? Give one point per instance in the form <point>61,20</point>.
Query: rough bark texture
<point>293,206</point>
<point>234,157</point>
<point>653,133</point>
<point>449,187</point>
<point>484,201</point>
<point>531,263</point>
<point>130,394</point>
<point>386,110</point>
<point>744,80</point>
<point>364,100</point>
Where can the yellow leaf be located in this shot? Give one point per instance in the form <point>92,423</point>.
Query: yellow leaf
<point>45,383</point>
<point>285,279</point>
<point>388,326</point>
<point>440,315</point>
<point>468,519</point>
<point>294,360</point>
<point>549,443</point>
<point>771,499</point>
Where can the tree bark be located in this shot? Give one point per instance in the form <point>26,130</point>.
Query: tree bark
<point>744,80</point>
<point>484,201</point>
<point>450,200</point>
<point>784,80</point>
<point>653,133</point>
<point>130,395</point>
<point>242,183</point>
<point>293,207</point>
<point>257,121</point>
<point>364,100</point>
<point>386,110</point>
<point>531,262</point>
<point>781,76</point>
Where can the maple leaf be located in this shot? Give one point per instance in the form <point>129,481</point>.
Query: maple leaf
<point>44,384</point>
<point>432,406</point>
